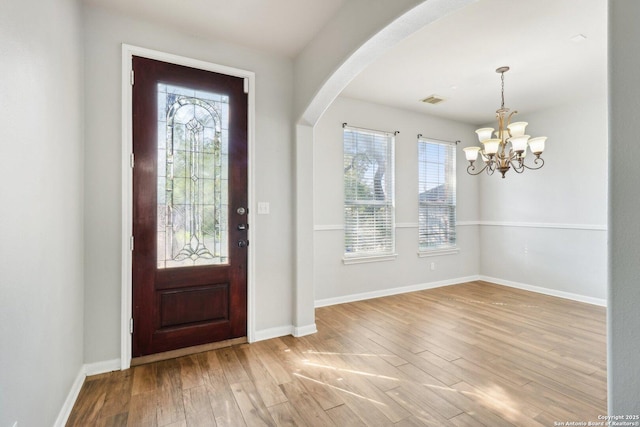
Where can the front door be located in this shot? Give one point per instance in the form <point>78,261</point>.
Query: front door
<point>189,207</point>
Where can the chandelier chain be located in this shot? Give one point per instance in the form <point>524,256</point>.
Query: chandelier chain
<point>502,93</point>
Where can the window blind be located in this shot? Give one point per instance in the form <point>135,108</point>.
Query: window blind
<point>436,194</point>
<point>368,192</point>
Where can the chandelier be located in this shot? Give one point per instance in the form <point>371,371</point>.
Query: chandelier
<point>509,147</point>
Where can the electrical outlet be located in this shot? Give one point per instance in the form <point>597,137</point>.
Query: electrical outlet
<point>433,266</point>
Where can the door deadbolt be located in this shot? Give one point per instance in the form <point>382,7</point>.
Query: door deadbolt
<point>241,211</point>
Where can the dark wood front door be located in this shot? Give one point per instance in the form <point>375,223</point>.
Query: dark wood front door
<point>189,207</point>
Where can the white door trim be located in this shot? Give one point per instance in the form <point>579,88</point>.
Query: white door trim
<point>128,51</point>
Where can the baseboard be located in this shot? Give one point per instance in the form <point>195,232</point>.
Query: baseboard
<point>102,367</point>
<point>393,291</point>
<point>300,331</point>
<point>546,291</point>
<point>279,331</point>
<point>85,370</point>
<point>419,287</point>
<point>65,411</point>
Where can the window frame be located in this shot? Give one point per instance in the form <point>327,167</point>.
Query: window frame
<point>449,181</point>
<point>356,135</point>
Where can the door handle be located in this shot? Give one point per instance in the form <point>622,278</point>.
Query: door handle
<point>243,227</point>
<point>243,243</point>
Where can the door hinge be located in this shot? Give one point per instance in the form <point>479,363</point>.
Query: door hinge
<point>131,78</point>
<point>131,325</point>
<point>132,160</point>
<point>131,243</point>
<point>246,85</point>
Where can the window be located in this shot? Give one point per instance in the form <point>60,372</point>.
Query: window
<point>368,193</point>
<point>436,195</point>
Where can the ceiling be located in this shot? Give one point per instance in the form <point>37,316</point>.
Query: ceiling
<point>282,27</point>
<point>454,57</point>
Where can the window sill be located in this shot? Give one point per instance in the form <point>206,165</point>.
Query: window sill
<point>438,252</point>
<point>365,259</point>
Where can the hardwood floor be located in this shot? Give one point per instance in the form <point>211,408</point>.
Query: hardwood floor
<point>466,355</point>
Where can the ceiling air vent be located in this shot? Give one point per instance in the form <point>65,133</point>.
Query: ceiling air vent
<point>433,99</point>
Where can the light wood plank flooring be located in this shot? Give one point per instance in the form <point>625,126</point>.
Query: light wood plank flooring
<point>466,355</point>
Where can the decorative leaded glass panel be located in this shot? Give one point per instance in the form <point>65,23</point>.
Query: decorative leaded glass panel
<point>192,177</point>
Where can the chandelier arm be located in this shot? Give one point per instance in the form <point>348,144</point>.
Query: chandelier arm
<point>517,166</point>
<point>518,159</point>
<point>472,167</point>
<point>492,168</point>
<point>509,121</point>
<point>536,161</point>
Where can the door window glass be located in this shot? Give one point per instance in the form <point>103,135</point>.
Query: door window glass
<point>193,177</point>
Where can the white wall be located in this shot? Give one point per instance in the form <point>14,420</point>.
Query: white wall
<point>41,252</point>
<point>104,33</point>
<point>624,206</point>
<point>322,70</point>
<point>544,229</point>
<point>333,279</point>
<point>339,41</point>
<point>548,227</point>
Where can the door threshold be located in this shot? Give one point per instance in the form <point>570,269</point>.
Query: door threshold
<point>186,351</point>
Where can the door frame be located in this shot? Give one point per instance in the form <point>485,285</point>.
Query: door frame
<point>128,51</point>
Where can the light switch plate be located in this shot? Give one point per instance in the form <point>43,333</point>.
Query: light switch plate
<point>263,208</point>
